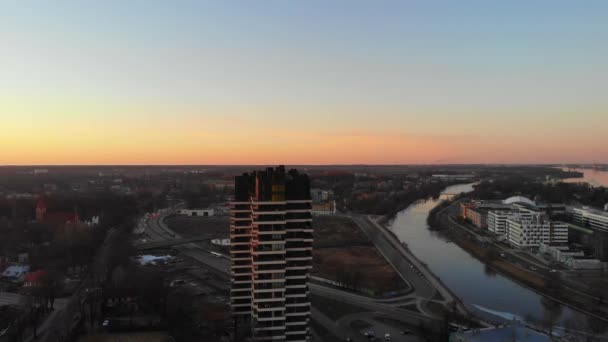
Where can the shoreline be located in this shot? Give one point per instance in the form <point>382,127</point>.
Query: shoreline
<point>514,277</point>
<point>522,277</point>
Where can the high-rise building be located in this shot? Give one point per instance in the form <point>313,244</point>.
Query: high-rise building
<point>271,251</point>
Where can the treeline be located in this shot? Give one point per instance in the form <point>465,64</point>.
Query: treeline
<point>389,204</point>
<point>433,220</point>
<point>501,188</point>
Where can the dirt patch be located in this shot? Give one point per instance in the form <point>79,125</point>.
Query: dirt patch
<point>334,308</point>
<point>343,253</point>
<point>357,267</point>
<point>332,231</point>
<point>188,226</point>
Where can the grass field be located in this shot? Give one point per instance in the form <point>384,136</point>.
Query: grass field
<point>188,226</point>
<point>344,254</point>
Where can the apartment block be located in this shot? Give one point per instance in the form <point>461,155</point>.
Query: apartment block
<point>271,252</point>
<point>525,231</point>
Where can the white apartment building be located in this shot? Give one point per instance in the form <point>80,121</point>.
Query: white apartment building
<point>525,231</point>
<point>497,219</point>
<point>593,218</point>
<point>271,254</point>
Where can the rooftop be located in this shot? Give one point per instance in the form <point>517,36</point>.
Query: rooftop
<point>594,211</point>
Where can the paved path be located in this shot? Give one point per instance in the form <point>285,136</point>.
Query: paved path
<point>158,231</point>
<point>9,298</point>
<point>424,282</point>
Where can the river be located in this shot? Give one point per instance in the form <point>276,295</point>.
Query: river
<point>593,177</point>
<point>466,276</point>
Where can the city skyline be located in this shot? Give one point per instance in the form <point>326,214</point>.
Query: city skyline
<point>318,83</point>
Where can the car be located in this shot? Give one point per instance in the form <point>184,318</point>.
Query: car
<point>387,337</point>
<point>348,339</point>
<point>369,334</point>
<point>405,332</point>
<point>552,271</point>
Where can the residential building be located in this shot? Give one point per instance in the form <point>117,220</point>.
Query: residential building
<point>477,211</point>
<point>525,231</point>
<point>597,221</point>
<point>325,208</point>
<point>593,218</point>
<point>60,218</point>
<point>320,195</point>
<point>497,219</point>
<point>271,253</point>
<point>15,273</point>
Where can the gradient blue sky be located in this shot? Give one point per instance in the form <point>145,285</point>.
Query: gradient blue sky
<point>295,82</point>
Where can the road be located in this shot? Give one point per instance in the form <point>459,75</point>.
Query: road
<point>8,298</point>
<point>426,285</point>
<point>157,230</point>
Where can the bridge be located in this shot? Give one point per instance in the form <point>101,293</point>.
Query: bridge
<point>172,242</point>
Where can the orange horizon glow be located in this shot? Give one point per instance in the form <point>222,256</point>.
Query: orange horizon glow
<point>194,83</point>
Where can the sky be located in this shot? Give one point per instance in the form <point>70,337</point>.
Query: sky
<point>303,82</point>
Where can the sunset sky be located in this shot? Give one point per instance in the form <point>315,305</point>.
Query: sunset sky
<point>303,82</point>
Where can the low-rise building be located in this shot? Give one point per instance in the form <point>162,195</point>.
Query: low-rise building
<point>572,257</point>
<point>583,263</point>
<point>325,208</point>
<point>593,218</point>
<point>196,212</point>
<point>477,211</point>
<point>559,251</point>
<point>320,195</point>
<point>15,273</point>
<point>597,221</point>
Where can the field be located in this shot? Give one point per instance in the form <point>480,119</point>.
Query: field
<point>343,253</point>
<point>188,226</point>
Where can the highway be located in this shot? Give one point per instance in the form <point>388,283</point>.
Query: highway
<point>424,290</point>
<point>157,230</point>
<point>425,284</point>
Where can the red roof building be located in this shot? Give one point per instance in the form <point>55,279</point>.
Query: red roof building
<point>34,278</point>
<point>60,218</point>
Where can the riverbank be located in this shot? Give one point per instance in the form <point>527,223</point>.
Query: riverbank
<point>548,288</point>
<point>342,253</point>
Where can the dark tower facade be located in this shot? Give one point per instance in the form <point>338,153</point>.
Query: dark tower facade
<point>271,253</point>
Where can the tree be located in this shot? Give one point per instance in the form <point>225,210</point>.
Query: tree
<point>552,311</point>
<point>51,284</point>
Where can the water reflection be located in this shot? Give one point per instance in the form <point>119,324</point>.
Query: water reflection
<point>466,276</point>
<point>593,177</point>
